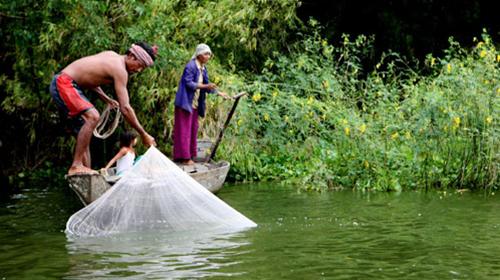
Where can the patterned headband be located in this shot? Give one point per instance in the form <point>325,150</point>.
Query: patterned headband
<point>141,55</point>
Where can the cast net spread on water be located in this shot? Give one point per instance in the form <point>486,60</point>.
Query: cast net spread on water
<point>155,195</point>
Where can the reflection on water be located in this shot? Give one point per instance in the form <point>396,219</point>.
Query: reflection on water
<point>152,255</point>
<point>332,235</point>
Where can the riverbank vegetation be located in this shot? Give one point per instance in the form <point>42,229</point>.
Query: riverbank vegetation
<point>319,117</point>
<point>317,114</point>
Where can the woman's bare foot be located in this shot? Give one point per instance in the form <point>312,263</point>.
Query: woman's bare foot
<point>188,162</point>
<point>73,170</point>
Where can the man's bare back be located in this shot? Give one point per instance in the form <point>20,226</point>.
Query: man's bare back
<point>93,71</point>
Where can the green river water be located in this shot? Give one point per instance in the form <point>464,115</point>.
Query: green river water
<point>332,235</point>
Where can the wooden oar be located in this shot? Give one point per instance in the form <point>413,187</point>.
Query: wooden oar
<point>228,119</point>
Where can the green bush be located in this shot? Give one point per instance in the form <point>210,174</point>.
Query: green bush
<point>318,117</point>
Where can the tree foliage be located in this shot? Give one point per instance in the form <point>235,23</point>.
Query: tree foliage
<point>39,38</point>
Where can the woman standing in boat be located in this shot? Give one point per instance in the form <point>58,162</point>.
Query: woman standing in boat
<point>190,103</point>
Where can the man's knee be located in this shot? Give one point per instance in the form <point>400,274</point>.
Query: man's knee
<point>91,117</point>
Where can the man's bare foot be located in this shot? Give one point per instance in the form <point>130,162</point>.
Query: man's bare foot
<point>74,170</point>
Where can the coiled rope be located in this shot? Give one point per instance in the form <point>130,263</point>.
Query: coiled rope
<point>102,130</point>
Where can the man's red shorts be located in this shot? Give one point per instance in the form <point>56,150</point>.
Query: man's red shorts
<point>70,100</point>
<point>68,95</point>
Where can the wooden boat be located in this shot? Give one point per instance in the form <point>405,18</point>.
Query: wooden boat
<point>208,174</point>
<point>90,187</point>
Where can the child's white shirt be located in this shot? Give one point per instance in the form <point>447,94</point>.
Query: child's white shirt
<point>125,162</point>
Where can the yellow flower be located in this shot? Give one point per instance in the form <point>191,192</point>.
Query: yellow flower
<point>489,119</point>
<point>347,130</point>
<point>486,82</point>
<point>395,135</point>
<point>324,43</point>
<point>498,90</point>
<point>256,97</point>
<point>362,128</point>
<point>275,93</point>
<point>266,117</point>
<point>286,118</point>
<point>482,53</point>
<point>448,68</point>
<point>239,122</point>
<point>433,61</point>
<point>366,164</point>
<point>498,57</point>
<point>456,122</point>
<point>310,100</point>
<point>408,135</point>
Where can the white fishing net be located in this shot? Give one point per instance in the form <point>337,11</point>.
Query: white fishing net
<point>155,195</point>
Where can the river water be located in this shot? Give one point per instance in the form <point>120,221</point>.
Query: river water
<point>301,235</point>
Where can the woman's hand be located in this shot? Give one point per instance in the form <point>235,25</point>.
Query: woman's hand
<point>223,95</point>
<point>209,86</point>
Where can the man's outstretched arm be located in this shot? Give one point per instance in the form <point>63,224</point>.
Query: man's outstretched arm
<point>127,110</point>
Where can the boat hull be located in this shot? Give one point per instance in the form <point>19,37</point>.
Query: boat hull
<point>90,187</point>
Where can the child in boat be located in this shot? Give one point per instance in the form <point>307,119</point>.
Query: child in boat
<point>125,157</point>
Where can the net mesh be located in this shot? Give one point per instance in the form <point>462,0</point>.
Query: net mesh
<point>155,195</point>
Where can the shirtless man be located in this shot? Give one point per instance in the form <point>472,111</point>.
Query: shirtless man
<point>90,73</point>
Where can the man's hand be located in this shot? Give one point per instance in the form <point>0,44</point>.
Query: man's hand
<point>113,103</point>
<point>148,140</point>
